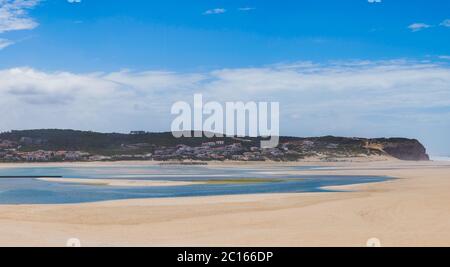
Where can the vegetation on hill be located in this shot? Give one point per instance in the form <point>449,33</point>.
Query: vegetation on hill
<point>290,148</point>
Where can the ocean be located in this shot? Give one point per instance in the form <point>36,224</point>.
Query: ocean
<point>440,158</point>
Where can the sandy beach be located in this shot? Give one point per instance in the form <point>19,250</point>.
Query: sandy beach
<point>412,210</point>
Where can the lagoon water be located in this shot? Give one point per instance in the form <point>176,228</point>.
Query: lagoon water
<point>279,180</point>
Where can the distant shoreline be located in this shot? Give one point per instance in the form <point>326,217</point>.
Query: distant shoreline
<point>440,158</point>
<point>307,161</point>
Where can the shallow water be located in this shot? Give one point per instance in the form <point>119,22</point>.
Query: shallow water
<point>33,191</point>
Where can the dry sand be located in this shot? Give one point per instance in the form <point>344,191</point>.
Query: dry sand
<point>411,211</point>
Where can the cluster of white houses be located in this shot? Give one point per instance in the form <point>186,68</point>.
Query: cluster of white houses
<point>42,156</point>
<point>217,150</point>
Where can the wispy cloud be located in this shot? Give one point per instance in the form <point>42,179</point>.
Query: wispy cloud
<point>246,8</point>
<point>374,1</point>
<point>445,23</point>
<point>14,16</point>
<point>415,27</point>
<point>74,1</point>
<point>215,11</point>
<point>5,43</point>
<point>421,26</point>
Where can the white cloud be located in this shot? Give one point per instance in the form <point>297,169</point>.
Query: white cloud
<point>215,11</point>
<point>74,1</point>
<point>87,101</point>
<point>31,86</point>
<point>445,57</point>
<point>5,43</point>
<point>246,8</point>
<point>374,1</point>
<point>333,98</point>
<point>418,26</point>
<point>445,23</point>
<point>341,77</point>
<point>14,17</point>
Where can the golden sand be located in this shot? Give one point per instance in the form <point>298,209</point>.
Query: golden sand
<point>413,210</point>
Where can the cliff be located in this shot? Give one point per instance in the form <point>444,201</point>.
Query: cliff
<point>404,149</point>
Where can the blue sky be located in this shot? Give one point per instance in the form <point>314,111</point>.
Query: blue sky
<point>353,67</point>
<point>176,35</point>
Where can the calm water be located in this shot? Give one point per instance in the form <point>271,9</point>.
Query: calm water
<point>32,191</point>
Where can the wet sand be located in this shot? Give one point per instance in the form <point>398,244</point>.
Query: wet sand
<point>118,182</point>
